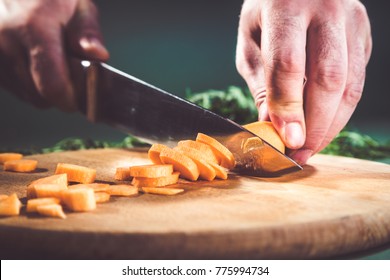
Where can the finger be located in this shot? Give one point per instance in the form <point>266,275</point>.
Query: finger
<point>248,55</point>
<point>283,51</point>
<point>359,50</point>
<point>326,80</point>
<point>48,65</point>
<point>83,33</point>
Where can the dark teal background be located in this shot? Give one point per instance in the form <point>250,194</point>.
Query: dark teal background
<point>177,45</point>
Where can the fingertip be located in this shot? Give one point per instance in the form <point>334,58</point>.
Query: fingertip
<point>94,49</point>
<point>294,137</point>
<point>301,156</point>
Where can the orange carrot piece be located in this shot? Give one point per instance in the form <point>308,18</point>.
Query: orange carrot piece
<point>122,174</point>
<point>79,200</point>
<point>77,173</point>
<point>102,197</point>
<point>51,210</point>
<point>206,171</point>
<point>220,171</point>
<point>3,196</point>
<point>226,157</point>
<point>163,191</point>
<point>151,170</point>
<point>20,165</point>
<point>9,156</point>
<point>181,163</point>
<point>10,206</point>
<point>49,190</point>
<point>59,179</point>
<point>267,132</point>
<point>154,153</point>
<point>156,182</point>
<point>33,203</point>
<point>97,187</point>
<point>204,149</point>
<point>122,190</point>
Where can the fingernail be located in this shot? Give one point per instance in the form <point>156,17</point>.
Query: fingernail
<point>94,47</point>
<point>294,135</point>
<point>301,156</point>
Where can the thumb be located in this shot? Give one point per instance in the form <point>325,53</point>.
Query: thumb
<point>83,33</point>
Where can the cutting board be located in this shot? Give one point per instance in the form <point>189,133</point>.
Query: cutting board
<point>335,206</point>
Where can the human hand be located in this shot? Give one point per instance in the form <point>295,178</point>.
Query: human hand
<point>36,38</point>
<point>327,43</point>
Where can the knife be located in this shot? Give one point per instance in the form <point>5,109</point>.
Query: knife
<point>154,115</point>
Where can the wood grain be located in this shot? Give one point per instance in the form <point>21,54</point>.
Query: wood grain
<point>334,206</point>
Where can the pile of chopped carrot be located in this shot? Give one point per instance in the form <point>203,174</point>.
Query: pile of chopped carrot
<point>72,188</point>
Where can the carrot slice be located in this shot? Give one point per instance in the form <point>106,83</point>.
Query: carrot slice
<point>3,196</point>
<point>51,210</point>
<point>154,153</point>
<point>122,174</point>
<point>221,173</point>
<point>9,156</point>
<point>33,203</point>
<point>10,206</point>
<point>97,187</point>
<point>181,163</point>
<point>206,171</point>
<point>20,165</point>
<point>223,153</point>
<point>267,132</point>
<point>77,173</point>
<point>163,191</point>
<point>79,200</point>
<point>49,190</point>
<point>102,197</point>
<point>204,149</point>
<point>152,170</point>
<point>156,182</point>
<point>122,190</point>
<point>59,179</point>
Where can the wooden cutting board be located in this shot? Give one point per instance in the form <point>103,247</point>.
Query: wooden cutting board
<point>334,206</point>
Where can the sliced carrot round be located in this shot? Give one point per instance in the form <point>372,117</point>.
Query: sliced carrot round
<point>20,165</point>
<point>156,182</point>
<point>204,149</point>
<point>223,153</point>
<point>206,171</point>
<point>151,170</point>
<point>154,153</point>
<point>77,173</point>
<point>220,171</point>
<point>181,163</point>
<point>267,131</point>
<point>9,156</point>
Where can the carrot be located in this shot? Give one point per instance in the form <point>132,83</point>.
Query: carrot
<point>181,163</point>
<point>96,187</point>
<point>59,179</point>
<point>154,153</point>
<point>79,200</point>
<point>20,165</point>
<point>225,156</point>
<point>3,196</point>
<point>122,174</point>
<point>156,182</point>
<point>204,149</point>
<point>220,172</point>
<point>33,203</point>
<point>10,206</point>
<point>49,190</point>
<point>206,171</point>
<point>268,133</point>
<point>122,190</point>
<point>51,210</point>
<point>163,191</point>
<point>151,171</point>
<point>77,173</point>
<point>9,156</point>
<point>102,197</point>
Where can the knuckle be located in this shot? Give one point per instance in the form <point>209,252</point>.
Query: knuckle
<point>353,94</point>
<point>285,62</point>
<point>330,78</point>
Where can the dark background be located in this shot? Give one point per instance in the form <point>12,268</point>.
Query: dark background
<point>177,45</point>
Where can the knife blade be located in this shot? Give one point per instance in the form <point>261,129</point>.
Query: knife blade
<point>154,115</point>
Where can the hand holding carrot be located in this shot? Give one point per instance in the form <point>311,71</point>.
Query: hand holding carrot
<point>36,38</point>
<point>281,43</point>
